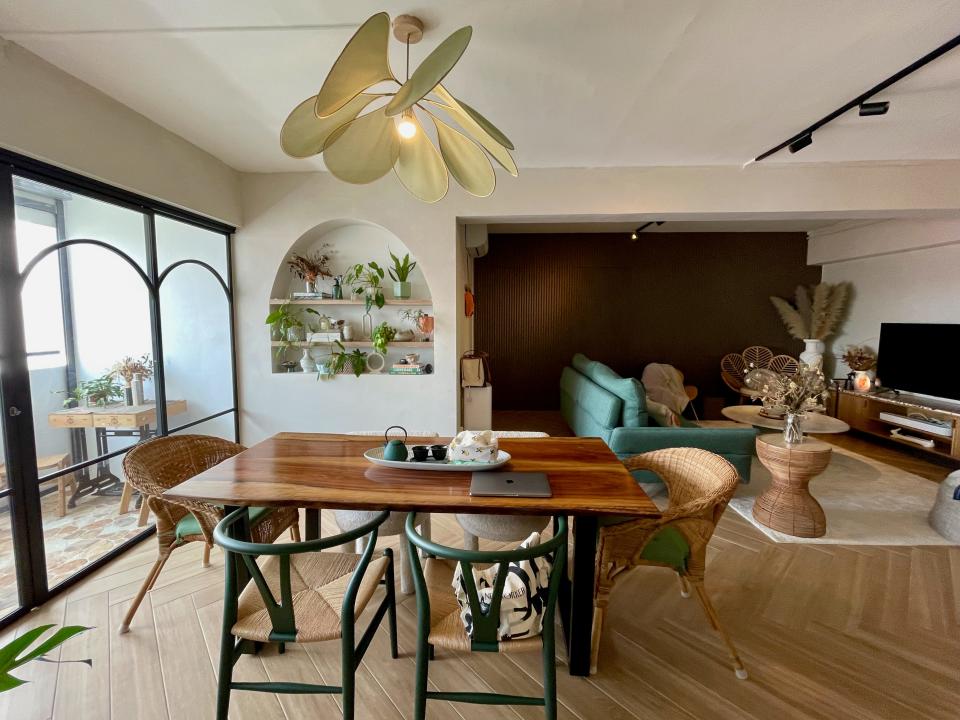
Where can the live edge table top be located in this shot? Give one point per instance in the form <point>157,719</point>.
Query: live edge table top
<point>329,471</point>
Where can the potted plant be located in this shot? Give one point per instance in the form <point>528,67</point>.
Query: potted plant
<point>311,267</point>
<point>814,317</point>
<point>287,326</point>
<point>366,279</point>
<point>422,320</point>
<point>340,358</point>
<point>381,335</point>
<point>99,392</point>
<point>133,372</point>
<point>400,273</point>
<point>796,394</point>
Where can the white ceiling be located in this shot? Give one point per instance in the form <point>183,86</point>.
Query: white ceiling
<point>573,83</point>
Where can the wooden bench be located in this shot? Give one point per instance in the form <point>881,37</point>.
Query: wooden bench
<point>49,463</point>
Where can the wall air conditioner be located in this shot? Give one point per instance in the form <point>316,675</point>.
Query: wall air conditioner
<point>475,240</point>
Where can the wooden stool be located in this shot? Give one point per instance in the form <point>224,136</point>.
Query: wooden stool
<point>51,462</point>
<point>787,505</point>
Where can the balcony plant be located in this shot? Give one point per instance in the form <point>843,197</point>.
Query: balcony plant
<point>400,273</point>
<point>99,392</point>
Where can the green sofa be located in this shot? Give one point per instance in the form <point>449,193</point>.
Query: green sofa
<point>597,402</point>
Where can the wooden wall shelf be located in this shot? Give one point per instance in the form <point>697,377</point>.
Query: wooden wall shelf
<point>862,412</point>
<point>355,344</point>
<point>410,302</point>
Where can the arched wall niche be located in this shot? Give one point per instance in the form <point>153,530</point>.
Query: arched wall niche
<point>351,242</point>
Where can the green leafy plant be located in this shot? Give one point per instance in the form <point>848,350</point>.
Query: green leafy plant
<point>283,319</point>
<point>817,311</point>
<point>366,279</point>
<point>381,335</point>
<point>17,652</point>
<point>401,268</point>
<point>358,362</point>
<point>100,391</point>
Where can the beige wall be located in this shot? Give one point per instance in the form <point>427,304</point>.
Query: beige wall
<point>50,115</point>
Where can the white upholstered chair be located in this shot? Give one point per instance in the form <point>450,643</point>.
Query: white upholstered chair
<point>501,528</point>
<point>351,519</point>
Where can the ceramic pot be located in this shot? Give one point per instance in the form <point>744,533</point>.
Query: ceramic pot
<point>812,355</point>
<point>863,381</point>
<point>347,331</point>
<point>401,290</point>
<point>792,430</point>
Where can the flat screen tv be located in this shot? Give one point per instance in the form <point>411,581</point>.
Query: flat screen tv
<point>920,358</point>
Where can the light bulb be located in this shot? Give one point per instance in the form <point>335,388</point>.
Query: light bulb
<point>406,127</point>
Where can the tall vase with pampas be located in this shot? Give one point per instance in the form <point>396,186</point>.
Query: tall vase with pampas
<point>814,316</point>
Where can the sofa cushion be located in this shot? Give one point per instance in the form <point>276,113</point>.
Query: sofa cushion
<point>587,408</point>
<point>629,390</point>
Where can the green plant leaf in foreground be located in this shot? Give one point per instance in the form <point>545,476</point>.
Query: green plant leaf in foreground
<point>15,653</point>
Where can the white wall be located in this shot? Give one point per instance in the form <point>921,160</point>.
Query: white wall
<point>901,271</point>
<point>51,115</point>
<point>279,208</point>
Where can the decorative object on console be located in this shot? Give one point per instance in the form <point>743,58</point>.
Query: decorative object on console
<point>862,362</point>
<point>360,148</point>
<point>400,274</point>
<point>815,316</point>
<point>795,394</point>
<point>311,267</point>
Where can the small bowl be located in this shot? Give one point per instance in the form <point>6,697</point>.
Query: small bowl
<point>420,452</point>
<point>439,452</point>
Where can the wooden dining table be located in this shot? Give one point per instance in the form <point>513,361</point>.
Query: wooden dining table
<point>316,471</point>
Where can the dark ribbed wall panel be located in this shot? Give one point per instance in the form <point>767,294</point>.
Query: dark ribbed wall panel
<point>682,298</point>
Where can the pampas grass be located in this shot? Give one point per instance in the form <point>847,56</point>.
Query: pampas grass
<point>818,312</point>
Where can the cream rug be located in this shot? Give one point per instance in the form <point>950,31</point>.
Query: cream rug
<point>866,503</point>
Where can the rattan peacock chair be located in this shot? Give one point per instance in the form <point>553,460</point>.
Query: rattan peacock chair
<point>700,484</point>
<point>157,465</point>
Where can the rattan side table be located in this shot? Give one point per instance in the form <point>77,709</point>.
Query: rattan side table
<point>787,505</point>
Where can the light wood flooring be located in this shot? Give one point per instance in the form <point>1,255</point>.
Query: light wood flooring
<point>826,631</point>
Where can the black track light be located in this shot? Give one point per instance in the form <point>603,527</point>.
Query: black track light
<point>868,109</point>
<point>801,142</point>
<point>633,235</point>
<point>636,233</point>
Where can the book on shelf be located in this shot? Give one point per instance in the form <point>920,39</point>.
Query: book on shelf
<point>311,296</point>
<point>411,369</point>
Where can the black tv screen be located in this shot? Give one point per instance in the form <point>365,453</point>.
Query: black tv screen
<point>920,358</point>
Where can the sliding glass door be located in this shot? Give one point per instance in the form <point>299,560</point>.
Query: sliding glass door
<point>117,327</point>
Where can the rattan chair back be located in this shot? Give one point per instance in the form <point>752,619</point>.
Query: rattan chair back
<point>784,364</point>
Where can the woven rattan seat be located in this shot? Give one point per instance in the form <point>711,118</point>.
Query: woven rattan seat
<point>318,582</point>
<point>446,627</point>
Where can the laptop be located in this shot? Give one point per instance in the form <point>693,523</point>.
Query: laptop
<point>510,484</point>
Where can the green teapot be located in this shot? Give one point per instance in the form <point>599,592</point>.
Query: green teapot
<point>395,449</point>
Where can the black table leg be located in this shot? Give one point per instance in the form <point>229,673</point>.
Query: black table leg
<point>312,529</point>
<point>576,599</point>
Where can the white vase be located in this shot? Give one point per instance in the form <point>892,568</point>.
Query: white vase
<point>812,355</point>
<point>306,362</point>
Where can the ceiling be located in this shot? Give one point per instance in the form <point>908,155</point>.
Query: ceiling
<point>574,83</point>
<point>672,226</point>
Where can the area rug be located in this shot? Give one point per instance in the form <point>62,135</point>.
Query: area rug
<point>866,503</point>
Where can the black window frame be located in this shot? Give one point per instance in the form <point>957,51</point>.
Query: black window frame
<point>16,416</point>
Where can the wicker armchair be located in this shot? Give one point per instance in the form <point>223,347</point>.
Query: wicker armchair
<point>700,484</point>
<point>158,465</point>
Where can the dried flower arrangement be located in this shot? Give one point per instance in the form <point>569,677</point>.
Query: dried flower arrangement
<point>128,367</point>
<point>859,358</point>
<point>817,311</point>
<point>794,393</point>
<point>311,266</point>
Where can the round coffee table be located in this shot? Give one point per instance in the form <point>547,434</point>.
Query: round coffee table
<point>813,423</point>
<point>787,505</point>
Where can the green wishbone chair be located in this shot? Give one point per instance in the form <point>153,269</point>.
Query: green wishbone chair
<point>439,623</point>
<point>329,590</point>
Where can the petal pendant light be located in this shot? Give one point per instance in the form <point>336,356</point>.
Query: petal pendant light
<point>360,145</point>
<point>364,150</point>
<point>456,111</point>
<point>362,63</point>
<point>304,135</point>
<point>420,167</point>
<point>431,71</point>
<point>466,161</point>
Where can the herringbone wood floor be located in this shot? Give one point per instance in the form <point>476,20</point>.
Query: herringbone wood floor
<point>826,631</point>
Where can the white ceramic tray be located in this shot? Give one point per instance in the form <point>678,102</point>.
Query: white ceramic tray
<point>375,455</point>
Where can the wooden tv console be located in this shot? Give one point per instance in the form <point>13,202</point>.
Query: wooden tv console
<point>862,412</point>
